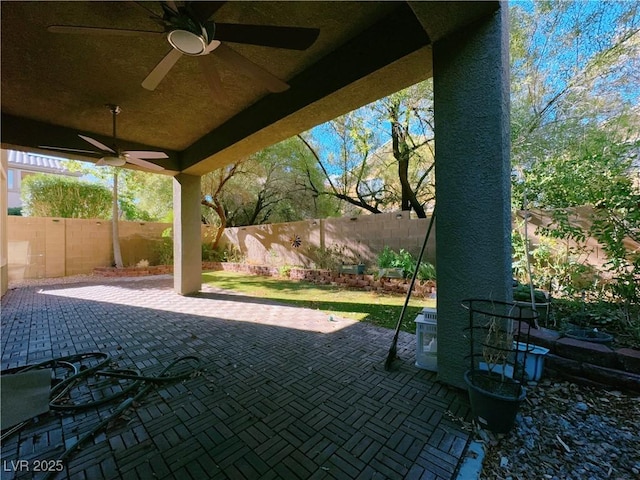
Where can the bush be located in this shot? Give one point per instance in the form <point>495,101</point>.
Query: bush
<point>426,271</point>
<point>331,257</point>
<point>164,251</point>
<point>389,258</point>
<point>54,196</point>
<point>522,293</point>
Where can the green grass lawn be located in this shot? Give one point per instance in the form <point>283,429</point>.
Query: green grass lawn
<point>379,309</point>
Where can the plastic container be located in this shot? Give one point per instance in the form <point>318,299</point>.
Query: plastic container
<point>427,339</point>
<point>533,360</point>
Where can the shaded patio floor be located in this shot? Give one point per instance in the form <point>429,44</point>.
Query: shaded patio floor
<point>285,392</point>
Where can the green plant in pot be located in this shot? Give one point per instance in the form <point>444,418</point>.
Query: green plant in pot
<point>395,264</point>
<point>522,297</point>
<point>494,380</point>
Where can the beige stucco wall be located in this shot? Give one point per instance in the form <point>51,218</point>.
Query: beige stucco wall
<point>56,247</point>
<point>361,237</point>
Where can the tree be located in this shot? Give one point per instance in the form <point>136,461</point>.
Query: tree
<point>146,196</point>
<point>359,151</point>
<point>56,196</point>
<point>272,185</point>
<point>574,76</point>
<point>128,190</point>
<point>212,186</point>
<point>575,119</point>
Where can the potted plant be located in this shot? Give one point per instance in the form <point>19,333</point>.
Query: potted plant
<point>542,301</point>
<point>351,263</point>
<point>579,329</point>
<point>354,269</point>
<point>497,354</point>
<point>394,264</point>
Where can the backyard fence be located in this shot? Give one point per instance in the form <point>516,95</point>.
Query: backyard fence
<point>56,247</point>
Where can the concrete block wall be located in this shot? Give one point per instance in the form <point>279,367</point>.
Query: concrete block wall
<point>361,237</point>
<point>56,247</point>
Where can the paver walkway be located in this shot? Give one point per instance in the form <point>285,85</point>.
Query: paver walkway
<point>285,392</point>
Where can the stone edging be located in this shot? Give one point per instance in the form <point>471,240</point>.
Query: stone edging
<point>322,277</point>
<point>589,362</point>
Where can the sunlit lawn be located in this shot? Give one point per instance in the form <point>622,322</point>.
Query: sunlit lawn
<point>379,309</point>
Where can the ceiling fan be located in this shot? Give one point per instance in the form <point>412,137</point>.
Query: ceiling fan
<point>190,31</point>
<point>113,156</point>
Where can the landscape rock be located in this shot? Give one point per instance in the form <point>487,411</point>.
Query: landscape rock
<point>570,432</point>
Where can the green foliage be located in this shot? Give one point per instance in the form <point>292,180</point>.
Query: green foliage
<point>522,293</point>
<point>15,211</point>
<point>142,196</point>
<point>270,186</point>
<point>389,258</point>
<point>379,157</point>
<point>602,315</point>
<point>379,309</point>
<point>232,254</point>
<point>331,257</point>
<point>426,271</point>
<point>164,251</point>
<point>386,257</point>
<point>209,254</point>
<point>285,271</point>
<point>555,265</point>
<point>56,196</point>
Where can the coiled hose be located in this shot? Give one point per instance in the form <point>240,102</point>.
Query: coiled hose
<point>59,391</point>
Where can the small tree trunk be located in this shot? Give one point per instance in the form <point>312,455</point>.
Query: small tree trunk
<point>117,255</point>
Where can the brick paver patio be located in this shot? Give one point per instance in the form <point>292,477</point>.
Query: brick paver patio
<point>285,392</point>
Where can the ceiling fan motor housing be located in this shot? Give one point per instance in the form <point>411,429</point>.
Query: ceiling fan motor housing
<point>186,33</point>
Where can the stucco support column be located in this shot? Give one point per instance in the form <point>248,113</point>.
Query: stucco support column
<point>4,202</point>
<point>473,254</point>
<point>187,242</point>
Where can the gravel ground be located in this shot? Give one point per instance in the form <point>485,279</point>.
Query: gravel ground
<point>568,432</point>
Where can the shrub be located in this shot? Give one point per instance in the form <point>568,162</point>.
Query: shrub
<point>389,258</point>
<point>54,196</point>
<point>426,271</point>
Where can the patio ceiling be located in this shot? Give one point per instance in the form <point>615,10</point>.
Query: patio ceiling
<point>55,85</point>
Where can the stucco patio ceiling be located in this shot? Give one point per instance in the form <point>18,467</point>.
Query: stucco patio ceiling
<point>55,85</point>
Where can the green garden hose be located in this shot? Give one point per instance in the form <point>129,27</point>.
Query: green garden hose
<point>59,398</point>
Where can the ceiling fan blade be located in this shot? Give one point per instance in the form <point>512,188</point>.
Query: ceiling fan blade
<point>144,163</point>
<point>172,5</point>
<point>205,10</point>
<point>160,71</point>
<point>97,144</point>
<point>270,81</point>
<point>211,75</point>
<point>293,38</point>
<point>143,154</point>
<point>62,149</point>
<point>99,31</point>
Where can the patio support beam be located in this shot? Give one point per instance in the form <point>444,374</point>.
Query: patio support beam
<point>473,255</point>
<point>187,242</point>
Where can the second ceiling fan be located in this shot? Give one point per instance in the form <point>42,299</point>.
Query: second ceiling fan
<point>190,31</point>
<point>113,155</point>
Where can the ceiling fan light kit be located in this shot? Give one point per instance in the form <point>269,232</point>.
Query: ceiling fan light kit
<point>187,42</point>
<point>112,161</point>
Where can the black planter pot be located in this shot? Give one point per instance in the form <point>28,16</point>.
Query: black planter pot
<point>494,401</point>
<point>589,336</point>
